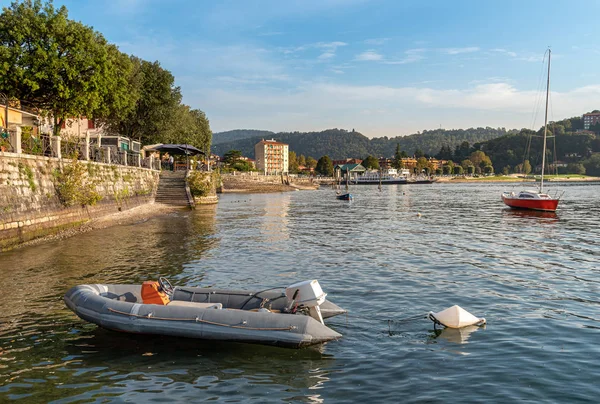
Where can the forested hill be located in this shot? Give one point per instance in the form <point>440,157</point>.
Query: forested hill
<point>238,134</point>
<point>340,143</point>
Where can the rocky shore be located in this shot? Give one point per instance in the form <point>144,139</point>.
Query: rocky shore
<point>249,184</point>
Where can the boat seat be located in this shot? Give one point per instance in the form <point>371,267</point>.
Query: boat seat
<point>196,305</point>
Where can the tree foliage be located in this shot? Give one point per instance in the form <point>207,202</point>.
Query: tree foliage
<point>60,65</point>
<point>340,143</point>
<point>325,166</point>
<point>371,163</point>
<point>67,70</point>
<point>232,156</point>
<point>293,163</point>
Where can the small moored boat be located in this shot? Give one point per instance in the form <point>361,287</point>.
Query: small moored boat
<point>291,318</point>
<point>530,199</point>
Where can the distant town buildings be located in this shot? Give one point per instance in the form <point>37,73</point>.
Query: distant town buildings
<point>590,119</point>
<point>271,157</point>
<point>346,161</point>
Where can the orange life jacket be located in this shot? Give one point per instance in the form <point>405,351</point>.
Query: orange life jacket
<point>151,294</point>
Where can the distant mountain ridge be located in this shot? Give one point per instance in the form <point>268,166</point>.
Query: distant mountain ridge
<point>340,143</point>
<point>238,134</point>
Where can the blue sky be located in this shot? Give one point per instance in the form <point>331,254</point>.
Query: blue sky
<point>384,68</point>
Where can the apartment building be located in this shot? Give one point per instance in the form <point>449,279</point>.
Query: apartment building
<point>271,157</point>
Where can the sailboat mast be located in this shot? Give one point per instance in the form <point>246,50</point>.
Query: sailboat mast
<point>545,124</point>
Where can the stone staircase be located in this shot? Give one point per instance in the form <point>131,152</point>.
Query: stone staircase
<point>171,189</point>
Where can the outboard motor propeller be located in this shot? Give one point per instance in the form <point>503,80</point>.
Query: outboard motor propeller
<point>307,294</point>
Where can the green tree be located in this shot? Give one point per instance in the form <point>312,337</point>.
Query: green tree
<point>242,165</point>
<point>575,168</point>
<point>506,170</point>
<point>398,163</point>
<point>325,166</point>
<point>59,65</point>
<point>311,163</point>
<point>189,126</point>
<point>462,151</point>
<point>371,163</point>
<point>480,159</point>
<point>419,153</point>
<point>526,167</point>
<point>592,165</point>
<point>157,109</point>
<point>293,163</point>
<point>445,153</point>
<point>458,170</point>
<point>302,161</point>
<point>423,165</point>
<point>231,157</point>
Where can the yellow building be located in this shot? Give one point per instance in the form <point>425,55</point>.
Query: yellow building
<point>271,156</point>
<point>16,118</point>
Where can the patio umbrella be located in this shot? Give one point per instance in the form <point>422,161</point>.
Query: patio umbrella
<point>181,149</point>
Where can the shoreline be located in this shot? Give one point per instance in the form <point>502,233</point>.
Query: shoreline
<point>515,179</point>
<point>125,217</point>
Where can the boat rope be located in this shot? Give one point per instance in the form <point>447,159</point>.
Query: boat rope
<point>389,320</point>
<point>199,320</point>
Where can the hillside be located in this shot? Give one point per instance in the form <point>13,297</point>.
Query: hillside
<point>340,143</point>
<point>238,134</point>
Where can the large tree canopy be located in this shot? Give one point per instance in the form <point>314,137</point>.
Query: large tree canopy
<point>67,70</point>
<point>57,64</point>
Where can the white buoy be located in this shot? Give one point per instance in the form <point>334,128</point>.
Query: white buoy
<point>455,317</point>
<point>418,214</point>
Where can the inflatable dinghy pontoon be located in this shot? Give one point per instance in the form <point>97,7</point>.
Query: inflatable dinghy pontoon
<point>291,318</point>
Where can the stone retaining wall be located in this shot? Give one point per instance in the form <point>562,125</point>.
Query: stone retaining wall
<point>30,205</point>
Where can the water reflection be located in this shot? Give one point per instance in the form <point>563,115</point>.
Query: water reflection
<point>456,335</point>
<point>274,226</point>
<point>532,214</point>
<point>98,363</point>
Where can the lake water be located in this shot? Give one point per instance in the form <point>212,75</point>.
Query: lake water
<point>534,277</point>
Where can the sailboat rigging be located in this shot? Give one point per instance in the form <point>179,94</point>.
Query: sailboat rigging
<point>534,200</point>
<point>347,196</point>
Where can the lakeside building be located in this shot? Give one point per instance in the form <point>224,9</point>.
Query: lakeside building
<point>271,157</point>
<point>590,119</point>
<point>346,161</point>
<point>249,160</point>
<point>352,169</point>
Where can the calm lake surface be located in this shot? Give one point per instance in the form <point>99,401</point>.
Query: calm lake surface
<point>534,277</point>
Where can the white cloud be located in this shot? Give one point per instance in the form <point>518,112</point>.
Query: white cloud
<point>376,41</point>
<point>504,51</point>
<point>412,56</point>
<point>400,110</point>
<point>368,56</point>
<point>326,55</point>
<point>456,51</point>
<point>328,46</point>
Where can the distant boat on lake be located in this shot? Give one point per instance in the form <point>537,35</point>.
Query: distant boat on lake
<point>379,178</point>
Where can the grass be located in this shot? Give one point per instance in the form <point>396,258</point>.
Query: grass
<point>501,178</point>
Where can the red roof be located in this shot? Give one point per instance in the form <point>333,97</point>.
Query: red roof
<point>272,141</point>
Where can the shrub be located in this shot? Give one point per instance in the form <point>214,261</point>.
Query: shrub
<point>74,186</point>
<point>202,183</point>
